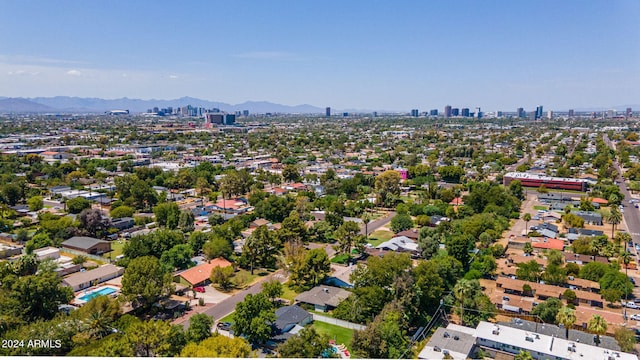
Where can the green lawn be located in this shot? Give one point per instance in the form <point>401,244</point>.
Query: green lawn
<point>116,248</point>
<point>340,334</point>
<point>288,293</point>
<point>540,207</point>
<point>380,236</point>
<point>340,259</point>
<point>228,318</point>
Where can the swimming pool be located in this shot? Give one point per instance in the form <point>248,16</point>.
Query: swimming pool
<point>97,292</point>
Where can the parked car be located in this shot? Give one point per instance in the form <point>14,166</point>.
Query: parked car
<point>224,326</point>
<point>635,317</point>
<point>632,305</point>
<point>199,289</point>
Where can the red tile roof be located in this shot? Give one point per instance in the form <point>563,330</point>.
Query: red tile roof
<point>202,272</point>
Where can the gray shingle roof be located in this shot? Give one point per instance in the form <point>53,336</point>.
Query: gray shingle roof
<point>82,242</point>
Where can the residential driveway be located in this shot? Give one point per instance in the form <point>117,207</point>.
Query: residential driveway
<point>212,296</point>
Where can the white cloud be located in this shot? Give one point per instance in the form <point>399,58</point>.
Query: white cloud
<point>174,77</point>
<point>74,72</point>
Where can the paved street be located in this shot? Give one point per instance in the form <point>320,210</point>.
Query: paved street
<point>376,224</point>
<point>631,214</point>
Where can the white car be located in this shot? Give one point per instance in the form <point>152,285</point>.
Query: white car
<point>632,305</point>
<point>635,317</point>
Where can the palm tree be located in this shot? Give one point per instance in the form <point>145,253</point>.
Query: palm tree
<point>464,289</point>
<point>598,325</point>
<point>567,317</point>
<point>625,257</point>
<point>526,217</point>
<point>614,218</point>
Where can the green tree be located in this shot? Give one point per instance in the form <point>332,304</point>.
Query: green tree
<point>222,276</point>
<point>567,317</point>
<point>387,187</point>
<point>593,271</point>
<point>185,221</point>
<point>35,203</point>
<point>217,246</point>
<point>548,310</point>
<point>526,217</point>
<point>291,173</point>
<point>199,327</point>
<point>383,338</point>
<point>178,257</point>
<point>31,296</point>
<point>401,222</point>
<point>308,343</point>
<point>272,289</point>
<point>614,217</point>
<point>315,267</point>
<point>612,295</point>
<point>349,236</point>
<point>153,338</point>
<point>260,249</point>
<point>253,318</point>
<point>464,289</point>
<point>598,325</point>
<point>218,346</point>
<point>523,355</point>
<point>122,211</point>
<point>626,338</point>
<point>293,229</point>
<point>167,214</point>
<point>145,280</point>
<point>614,279</point>
<point>76,205</point>
<point>528,248</point>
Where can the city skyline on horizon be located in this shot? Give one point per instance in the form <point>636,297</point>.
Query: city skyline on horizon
<point>357,55</point>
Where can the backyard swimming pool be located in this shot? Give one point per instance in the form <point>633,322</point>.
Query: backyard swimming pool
<point>97,292</point>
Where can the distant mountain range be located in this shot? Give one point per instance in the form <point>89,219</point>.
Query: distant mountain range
<point>97,105</point>
<point>67,104</point>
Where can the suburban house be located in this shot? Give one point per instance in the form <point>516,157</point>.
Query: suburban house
<point>323,297</point>
<point>87,245</point>
<point>123,223</point>
<point>453,342</point>
<point>199,275</point>
<point>289,321</point>
<point>412,234</point>
<point>589,217</point>
<point>400,244</point>
<point>82,280</point>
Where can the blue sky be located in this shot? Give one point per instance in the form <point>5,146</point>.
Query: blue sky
<point>393,55</point>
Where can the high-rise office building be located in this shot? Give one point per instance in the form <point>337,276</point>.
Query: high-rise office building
<point>571,113</point>
<point>521,113</point>
<point>549,114</point>
<point>245,113</point>
<point>499,114</point>
<point>611,113</point>
<point>229,119</point>
<point>415,112</point>
<point>433,112</point>
<point>629,113</point>
<point>479,113</point>
<point>538,112</point>
<point>447,111</point>
<point>465,112</point>
<point>455,112</point>
<point>327,112</point>
<point>217,119</point>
